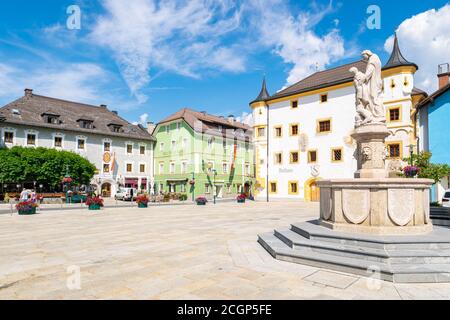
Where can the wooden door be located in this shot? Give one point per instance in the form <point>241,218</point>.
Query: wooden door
<point>315,192</point>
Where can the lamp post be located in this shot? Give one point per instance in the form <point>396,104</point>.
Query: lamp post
<point>214,184</point>
<point>411,153</point>
<point>193,186</point>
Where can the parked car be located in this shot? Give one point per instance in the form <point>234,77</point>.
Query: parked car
<point>446,199</point>
<point>125,194</point>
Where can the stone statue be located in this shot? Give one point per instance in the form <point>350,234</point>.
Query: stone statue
<point>369,86</point>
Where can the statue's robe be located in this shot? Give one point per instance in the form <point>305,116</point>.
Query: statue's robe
<point>374,87</point>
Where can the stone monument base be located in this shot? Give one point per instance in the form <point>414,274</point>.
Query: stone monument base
<point>376,206</point>
<point>400,258</point>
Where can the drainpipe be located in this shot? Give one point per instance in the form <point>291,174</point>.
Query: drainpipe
<point>267,158</point>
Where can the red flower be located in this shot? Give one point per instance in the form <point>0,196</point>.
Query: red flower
<point>95,200</point>
<point>142,199</point>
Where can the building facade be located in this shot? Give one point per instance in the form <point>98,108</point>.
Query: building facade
<point>199,154</point>
<point>303,133</point>
<point>121,152</point>
<point>434,115</point>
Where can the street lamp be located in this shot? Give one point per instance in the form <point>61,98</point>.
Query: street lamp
<point>411,153</point>
<point>214,186</point>
<point>192,183</point>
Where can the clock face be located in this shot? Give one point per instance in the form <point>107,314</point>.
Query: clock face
<point>107,157</point>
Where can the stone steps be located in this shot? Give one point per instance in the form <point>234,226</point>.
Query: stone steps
<point>397,259</point>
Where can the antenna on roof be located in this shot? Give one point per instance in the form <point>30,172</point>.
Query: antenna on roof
<point>317,66</point>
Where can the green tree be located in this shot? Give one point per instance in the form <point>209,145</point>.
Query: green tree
<point>429,170</point>
<point>19,164</point>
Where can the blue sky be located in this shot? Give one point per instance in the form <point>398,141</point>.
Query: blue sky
<point>149,58</point>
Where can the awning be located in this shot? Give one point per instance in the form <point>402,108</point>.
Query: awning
<point>176,180</point>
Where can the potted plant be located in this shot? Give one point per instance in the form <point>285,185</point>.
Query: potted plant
<point>201,201</point>
<point>183,197</point>
<point>142,201</point>
<point>241,198</point>
<point>94,203</point>
<point>26,207</point>
<point>411,171</point>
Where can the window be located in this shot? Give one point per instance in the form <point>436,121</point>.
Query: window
<point>129,167</point>
<point>142,150</point>
<point>81,144</point>
<point>336,155</point>
<point>293,187</point>
<point>273,187</point>
<point>178,125</point>
<point>183,188</point>
<point>294,157</point>
<point>58,142</point>
<point>394,150</point>
<point>394,114</point>
<point>142,168</point>
<point>161,168</point>
<point>116,128</point>
<point>183,167</point>
<point>107,146</point>
<point>161,187</point>
<point>172,167</point>
<point>294,130</point>
<point>105,168</point>
<point>225,168</point>
<point>129,148</point>
<point>210,142</point>
<point>324,126</point>
<point>161,146</point>
<point>247,169</point>
<point>261,132</point>
<point>323,98</point>
<point>173,144</point>
<point>278,132</point>
<point>294,104</point>
<point>86,124</point>
<point>9,137</point>
<point>278,158</point>
<point>167,129</point>
<point>31,139</point>
<point>52,119</point>
<point>207,188</point>
<point>312,156</point>
<point>184,143</point>
<point>224,144</point>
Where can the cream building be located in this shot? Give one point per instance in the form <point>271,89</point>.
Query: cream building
<point>302,133</point>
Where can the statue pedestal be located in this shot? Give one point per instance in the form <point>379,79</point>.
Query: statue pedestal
<point>371,150</point>
<point>376,206</point>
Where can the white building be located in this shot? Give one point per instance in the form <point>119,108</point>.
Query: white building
<point>302,133</point>
<point>121,152</point>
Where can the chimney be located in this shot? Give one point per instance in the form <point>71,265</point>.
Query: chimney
<point>231,118</point>
<point>115,112</point>
<point>444,75</point>
<point>28,92</point>
<point>150,127</point>
<point>104,106</point>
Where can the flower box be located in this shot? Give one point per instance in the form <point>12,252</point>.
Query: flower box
<point>142,205</point>
<point>241,198</point>
<point>94,203</point>
<point>411,171</point>
<point>201,201</point>
<point>26,208</point>
<point>27,212</point>
<point>142,201</point>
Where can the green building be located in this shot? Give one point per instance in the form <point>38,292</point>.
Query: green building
<point>198,154</point>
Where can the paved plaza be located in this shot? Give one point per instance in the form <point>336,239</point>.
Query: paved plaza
<point>172,252</point>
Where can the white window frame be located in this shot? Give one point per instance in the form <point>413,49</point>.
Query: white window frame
<point>126,167</point>
<point>173,145</point>
<point>103,168</point>
<point>36,141</point>
<point>58,135</point>
<point>207,188</point>
<point>247,169</point>
<point>174,166</point>
<point>145,149</point>
<point>145,167</point>
<point>225,168</point>
<point>161,146</point>
<point>126,148</point>
<point>110,145</point>
<point>184,142</point>
<point>184,167</point>
<point>11,130</point>
<point>161,168</point>
<point>85,143</point>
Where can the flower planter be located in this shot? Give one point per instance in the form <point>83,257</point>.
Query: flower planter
<point>201,203</point>
<point>27,212</point>
<point>241,200</point>
<point>411,174</point>
<point>94,207</point>
<point>142,205</point>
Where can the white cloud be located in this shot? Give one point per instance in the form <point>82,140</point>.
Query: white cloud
<point>143,119</point>
<point>246,118</point>
<point>294,38</point>
<point>424,39</point>
<point>173,35</point>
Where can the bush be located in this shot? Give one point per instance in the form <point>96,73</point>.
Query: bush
<point>435,205</point>
<point>183,197</point>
